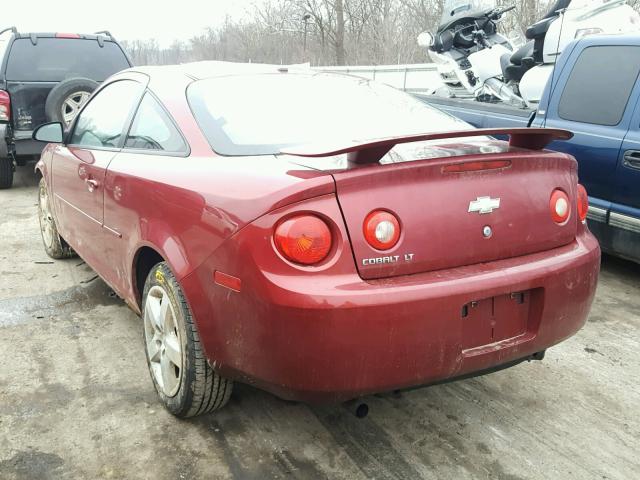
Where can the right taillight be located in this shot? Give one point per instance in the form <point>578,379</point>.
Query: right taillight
<point>5,106</point>
<point>559,206</point>
<point>303,239</point>
<point>583,203</point>
<point>381,229</point>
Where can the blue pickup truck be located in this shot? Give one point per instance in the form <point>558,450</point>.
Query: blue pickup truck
<point>595,93</point>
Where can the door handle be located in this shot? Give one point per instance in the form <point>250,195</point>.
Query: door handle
<point>91,184</point>
<point>631,159</point>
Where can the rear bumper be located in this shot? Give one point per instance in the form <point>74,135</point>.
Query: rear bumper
<point>333,338</point>
<point>25,146</point>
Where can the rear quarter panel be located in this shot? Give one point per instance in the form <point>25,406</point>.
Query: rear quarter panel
<point>185,207</point>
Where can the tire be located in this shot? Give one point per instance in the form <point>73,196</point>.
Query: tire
<point>171,337</point>
<point>69,95</point>
<point>6,172</point>
<point>54,244</point>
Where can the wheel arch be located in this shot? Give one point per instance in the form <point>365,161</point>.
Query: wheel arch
<point>145,258</point>
<point>40,168</point>
<point>156,241</point>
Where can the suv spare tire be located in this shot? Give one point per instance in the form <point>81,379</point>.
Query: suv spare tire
<point>67,98</point>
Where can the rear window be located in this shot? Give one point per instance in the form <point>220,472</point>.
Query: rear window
<point>56,59</point>
<point>599,86</point>
<point>261,114</point>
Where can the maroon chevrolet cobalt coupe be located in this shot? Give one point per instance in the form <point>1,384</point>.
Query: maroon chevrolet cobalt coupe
<point>319,236</point>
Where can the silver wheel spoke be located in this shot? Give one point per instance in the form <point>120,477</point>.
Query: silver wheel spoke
<point>169,378</point>
<point>68,117</point>
<point>155,309</point>
<point>172,349</point>
<point>153,348</point>
<point>165,312</point>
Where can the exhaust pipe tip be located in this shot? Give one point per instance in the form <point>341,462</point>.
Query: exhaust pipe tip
<point>362,410</point>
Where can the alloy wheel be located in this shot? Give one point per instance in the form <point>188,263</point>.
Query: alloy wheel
<point>72,105</point>
<point>163,342</point>
<point>46,220</point>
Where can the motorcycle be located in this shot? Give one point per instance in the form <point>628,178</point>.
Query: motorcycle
<point>475,61</point>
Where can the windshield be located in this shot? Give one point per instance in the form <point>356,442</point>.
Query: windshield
<point>456,8</point>
<point>261,114</point>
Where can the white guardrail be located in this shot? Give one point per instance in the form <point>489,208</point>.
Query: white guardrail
<point>414,78</point>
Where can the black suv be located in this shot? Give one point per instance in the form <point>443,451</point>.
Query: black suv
<point>47,77</point>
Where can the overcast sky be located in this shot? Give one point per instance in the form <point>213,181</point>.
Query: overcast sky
<point>126,19</point>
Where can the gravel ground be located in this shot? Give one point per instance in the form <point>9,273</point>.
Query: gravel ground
<point>76,400</point>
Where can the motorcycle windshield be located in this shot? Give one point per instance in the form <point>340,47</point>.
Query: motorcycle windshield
<point>454,9</point>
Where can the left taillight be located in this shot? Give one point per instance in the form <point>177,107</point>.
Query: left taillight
<point>5,106</point>
<point>583,203</point>
<point>303,239</point>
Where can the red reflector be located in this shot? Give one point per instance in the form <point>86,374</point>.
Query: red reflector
<point>305,239</point>
<point>583,203</point>
<point>381,229</point>
<point>476,166</point>
<point>560,206</point>
<point>67,35</point>
<point>228,281</point>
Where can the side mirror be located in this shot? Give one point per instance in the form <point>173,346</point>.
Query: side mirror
<point>425,39</point>
<point>49,133</point>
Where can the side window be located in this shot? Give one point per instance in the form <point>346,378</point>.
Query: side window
<point>599,86</point>
<point>152,129</point>
<point>102,123</point>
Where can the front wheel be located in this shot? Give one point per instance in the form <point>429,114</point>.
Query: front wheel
<point>54,244</point>
<point>184,381</point>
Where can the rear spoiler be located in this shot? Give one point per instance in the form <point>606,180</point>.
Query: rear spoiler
<point>371,151</point>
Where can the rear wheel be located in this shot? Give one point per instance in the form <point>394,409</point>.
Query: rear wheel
<point>54,244</point>
<point>6,172</point>
<point>183,379</point>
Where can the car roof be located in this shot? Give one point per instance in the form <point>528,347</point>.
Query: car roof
<point>211,68</point>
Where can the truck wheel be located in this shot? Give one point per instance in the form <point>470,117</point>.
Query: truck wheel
<point>54,245</point>
<point>185,382</point>
<point>67,98</point>
<point>6,172</point>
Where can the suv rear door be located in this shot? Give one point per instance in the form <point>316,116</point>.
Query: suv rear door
<point>36,64</point>
<point>624,215</point>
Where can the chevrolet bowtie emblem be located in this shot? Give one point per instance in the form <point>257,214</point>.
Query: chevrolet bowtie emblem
<point>484,205</point>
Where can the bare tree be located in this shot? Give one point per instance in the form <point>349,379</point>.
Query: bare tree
<point>325,32</point>
<point>339,35</point>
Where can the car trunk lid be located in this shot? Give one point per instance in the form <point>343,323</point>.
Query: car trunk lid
<point>457,211</point>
